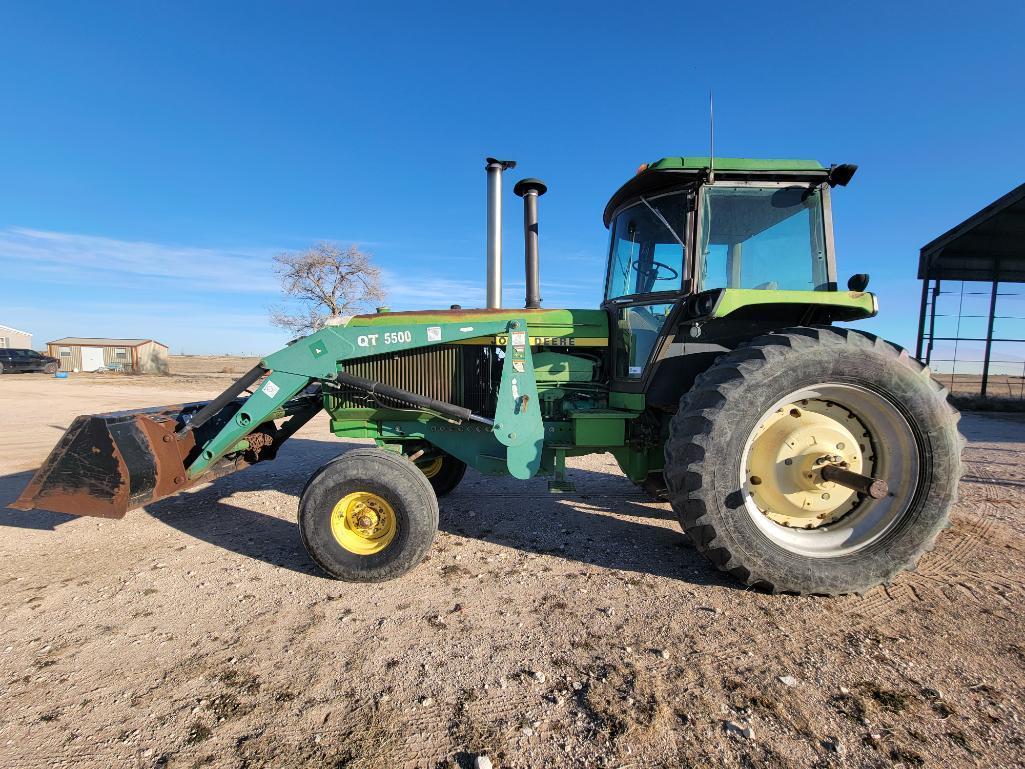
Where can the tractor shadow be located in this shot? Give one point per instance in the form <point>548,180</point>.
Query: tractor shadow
<point>605,522</point>
<point>208,515</point>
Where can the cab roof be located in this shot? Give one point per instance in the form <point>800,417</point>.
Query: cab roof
<point>674,171</point>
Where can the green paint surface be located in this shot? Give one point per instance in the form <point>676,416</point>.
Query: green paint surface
<point>317,358</point>
<point>734,164</point>
<point>518,424</point>
<point>853,304</point>
<point>599,427</point>
<point>556,324</point>
<point>627,401</point>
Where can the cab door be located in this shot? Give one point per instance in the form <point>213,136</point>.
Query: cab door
<point>648,276</point>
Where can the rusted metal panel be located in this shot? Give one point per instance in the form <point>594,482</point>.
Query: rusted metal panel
<point>108,464</point>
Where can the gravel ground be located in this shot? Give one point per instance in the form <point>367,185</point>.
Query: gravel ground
<point>578,630</point>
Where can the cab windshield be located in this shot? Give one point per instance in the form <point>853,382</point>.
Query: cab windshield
<point>762,237</point>
<point>647,252</point>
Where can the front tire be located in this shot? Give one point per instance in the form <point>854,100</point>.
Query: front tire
<point>745,448</point>
<point>368,516</point>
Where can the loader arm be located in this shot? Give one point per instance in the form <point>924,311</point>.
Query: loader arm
<point>108,464</point>
<point>317,358</point>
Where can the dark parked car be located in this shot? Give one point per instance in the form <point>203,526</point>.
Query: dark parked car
<point>12,360</point>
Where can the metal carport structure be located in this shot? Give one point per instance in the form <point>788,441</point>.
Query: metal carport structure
<point>987,248</point>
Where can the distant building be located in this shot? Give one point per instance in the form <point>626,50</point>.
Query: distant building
<point>12,338</point>
<point>139,356</point>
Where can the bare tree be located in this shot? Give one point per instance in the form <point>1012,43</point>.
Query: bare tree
<point>324,281</point>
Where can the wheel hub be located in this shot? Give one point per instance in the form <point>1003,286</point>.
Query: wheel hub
<point>431,467</point>
<point>363,523</point>
<point>784,464</point>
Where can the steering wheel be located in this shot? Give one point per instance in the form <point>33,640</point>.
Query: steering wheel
<point>653,270</point>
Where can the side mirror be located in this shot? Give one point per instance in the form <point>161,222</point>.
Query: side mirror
<point>858,282</point>
<point>841,174</point>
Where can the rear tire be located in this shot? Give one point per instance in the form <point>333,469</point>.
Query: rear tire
<point>819,384</point>
<point>368,516</point>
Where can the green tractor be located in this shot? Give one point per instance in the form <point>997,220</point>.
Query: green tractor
<point>799,456</point>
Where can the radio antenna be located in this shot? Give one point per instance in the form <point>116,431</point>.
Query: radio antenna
<point>711,138</point>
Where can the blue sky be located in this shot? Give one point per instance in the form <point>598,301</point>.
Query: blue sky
<point>154,156</point>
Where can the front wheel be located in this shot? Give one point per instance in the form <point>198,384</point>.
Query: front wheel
<point>368,516</point>
<point>748,447</point>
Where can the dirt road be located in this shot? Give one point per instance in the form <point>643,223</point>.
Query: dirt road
<point>576,630</point>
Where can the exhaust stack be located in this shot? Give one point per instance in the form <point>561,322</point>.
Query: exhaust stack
<point>530,190</point>
<point>494,170</point>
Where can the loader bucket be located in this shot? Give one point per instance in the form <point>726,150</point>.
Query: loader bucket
<point>108,464</point>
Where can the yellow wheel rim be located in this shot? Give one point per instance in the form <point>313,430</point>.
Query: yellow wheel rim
<point>788,450</point>
<point>363,523</point>
<point>431,467</point>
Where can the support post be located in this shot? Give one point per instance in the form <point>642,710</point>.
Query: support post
<point>921,317</point>
<point>989,337</point>
<point>932,321</point>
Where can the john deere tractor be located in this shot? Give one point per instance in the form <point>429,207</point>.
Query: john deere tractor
<point>799,455</point>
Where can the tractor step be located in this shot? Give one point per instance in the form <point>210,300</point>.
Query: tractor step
<point>561,487</point>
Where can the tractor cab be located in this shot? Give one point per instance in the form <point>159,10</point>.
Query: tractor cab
<point>684,229</point>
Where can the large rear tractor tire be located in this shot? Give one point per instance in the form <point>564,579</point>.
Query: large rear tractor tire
<point>747,449</point>
<point>368,516</point>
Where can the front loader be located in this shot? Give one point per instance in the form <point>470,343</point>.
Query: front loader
<point>799,455</point>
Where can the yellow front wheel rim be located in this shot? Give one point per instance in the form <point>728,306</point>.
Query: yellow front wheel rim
<point>363,523</point>
<point>431,467</point>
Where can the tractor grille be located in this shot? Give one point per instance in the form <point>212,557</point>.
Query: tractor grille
<point>466,375</point>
